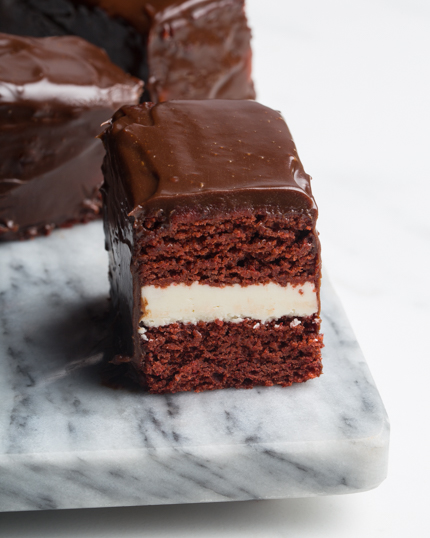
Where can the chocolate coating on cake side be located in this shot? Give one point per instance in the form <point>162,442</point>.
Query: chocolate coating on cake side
<point>54,94</point>
<point>207,156</point>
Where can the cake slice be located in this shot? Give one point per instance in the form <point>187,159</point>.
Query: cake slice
<point>54,94</point>
<point>182,49</point>
<point>214,257</point>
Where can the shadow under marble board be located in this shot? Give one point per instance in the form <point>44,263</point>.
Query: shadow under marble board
<point>68,441</point>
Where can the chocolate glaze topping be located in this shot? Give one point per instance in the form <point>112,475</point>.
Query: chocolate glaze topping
<point>206,156</point>
<point>54,94</point>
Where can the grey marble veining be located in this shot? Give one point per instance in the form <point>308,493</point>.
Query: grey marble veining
<point>67,441</point>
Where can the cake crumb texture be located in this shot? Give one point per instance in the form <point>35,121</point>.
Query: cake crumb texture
<point>208,356</point>
<point>238,248</point>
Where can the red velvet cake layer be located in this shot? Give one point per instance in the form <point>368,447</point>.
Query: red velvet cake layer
<point>242,247</point>
<point>207,356</point>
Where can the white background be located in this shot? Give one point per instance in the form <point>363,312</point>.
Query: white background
<point>352,80</point>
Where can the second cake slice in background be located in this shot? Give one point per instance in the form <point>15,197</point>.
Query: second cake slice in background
<point>181,49</point>
<point>54,94</point>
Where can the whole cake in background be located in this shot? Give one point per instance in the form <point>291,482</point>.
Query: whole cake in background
<point>214,257</point>
<point>182,49</point>
<point>54,94</point>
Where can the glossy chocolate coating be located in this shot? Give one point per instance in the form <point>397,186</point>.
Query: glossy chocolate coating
<point>54,95</point>
<point>182,49</point>
<point>206,156</point>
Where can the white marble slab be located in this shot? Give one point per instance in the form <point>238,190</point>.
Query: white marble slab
<point>67,441</point>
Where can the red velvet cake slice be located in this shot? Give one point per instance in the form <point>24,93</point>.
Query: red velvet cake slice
<point>214,258</point>
<point>54,94</point>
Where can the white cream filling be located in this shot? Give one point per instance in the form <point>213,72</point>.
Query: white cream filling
<point>199,302</point>
<point>73,94</point>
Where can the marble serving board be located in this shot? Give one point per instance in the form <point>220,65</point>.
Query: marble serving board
<point>69,441</point>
